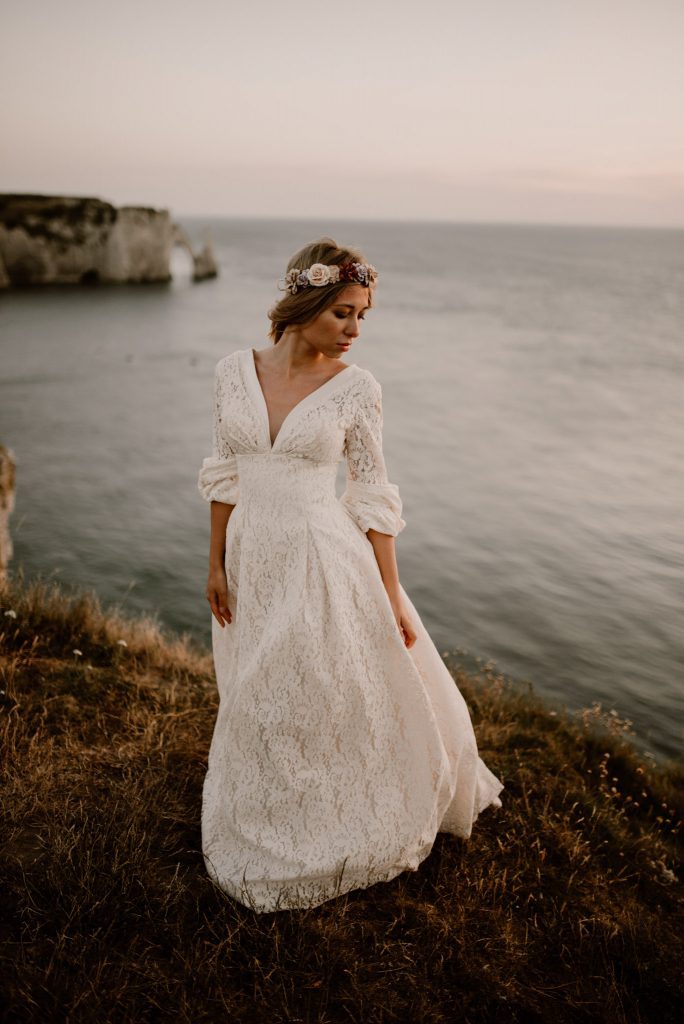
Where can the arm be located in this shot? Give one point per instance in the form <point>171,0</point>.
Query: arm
<point>385,555</point>
<point>372,501</point>
<point>218,485</point>
<point>217,583</point>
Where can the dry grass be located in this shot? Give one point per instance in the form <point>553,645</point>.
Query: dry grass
<point>563,906</point>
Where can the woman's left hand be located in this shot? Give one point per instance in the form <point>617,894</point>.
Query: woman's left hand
<point>403,620</point>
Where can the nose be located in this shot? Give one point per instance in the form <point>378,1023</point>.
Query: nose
<point>352,330</point>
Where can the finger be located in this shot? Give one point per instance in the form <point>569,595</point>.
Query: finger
<point>222,601</point>
<point>409,632</point>
<point>223,605</point>
<point>217,614</point>
<point>215,608</point>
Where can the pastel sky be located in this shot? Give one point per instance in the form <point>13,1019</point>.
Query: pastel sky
<point>551,111</point>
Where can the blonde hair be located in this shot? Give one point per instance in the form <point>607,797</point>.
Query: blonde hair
<point>306,305</point>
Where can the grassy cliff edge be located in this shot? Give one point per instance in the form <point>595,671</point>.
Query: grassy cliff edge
<point>564,905</point>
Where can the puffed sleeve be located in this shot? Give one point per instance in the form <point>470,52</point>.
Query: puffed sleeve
<point>369,498</point>
<point>218,478</point>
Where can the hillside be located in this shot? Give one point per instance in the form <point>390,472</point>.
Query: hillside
<point>564,905</point>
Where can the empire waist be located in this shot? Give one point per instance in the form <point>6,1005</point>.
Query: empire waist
<point>282,482</point>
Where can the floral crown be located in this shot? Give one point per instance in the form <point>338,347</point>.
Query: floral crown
<point>319,274</point>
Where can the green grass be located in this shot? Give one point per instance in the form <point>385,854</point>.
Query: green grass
<point>564,905</point>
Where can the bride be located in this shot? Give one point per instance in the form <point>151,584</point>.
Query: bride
<point>342,744</point>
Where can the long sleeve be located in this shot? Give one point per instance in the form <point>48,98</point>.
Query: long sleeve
<point>218,478</point>
<point>369,498</point>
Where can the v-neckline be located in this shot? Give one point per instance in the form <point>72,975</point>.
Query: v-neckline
<point>259,393</point>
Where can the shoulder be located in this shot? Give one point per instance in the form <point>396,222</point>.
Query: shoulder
<point>227,363</point>
<point>365,375</point>
<point>368,384</point>
<point>364,396</point>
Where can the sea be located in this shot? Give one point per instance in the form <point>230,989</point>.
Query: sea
<point>533,396</point>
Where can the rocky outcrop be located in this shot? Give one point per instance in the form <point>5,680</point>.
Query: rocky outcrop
<point>69,240</point>
<point>204,262</point>
<point>7,487</point>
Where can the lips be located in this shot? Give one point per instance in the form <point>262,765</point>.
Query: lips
<point>344,344</point>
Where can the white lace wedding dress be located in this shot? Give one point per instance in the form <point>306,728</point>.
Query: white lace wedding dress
<point>338,753</point>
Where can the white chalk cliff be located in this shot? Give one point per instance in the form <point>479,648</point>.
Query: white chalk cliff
<point>68,240</point>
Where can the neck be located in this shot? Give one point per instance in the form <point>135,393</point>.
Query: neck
<point>291,357</point>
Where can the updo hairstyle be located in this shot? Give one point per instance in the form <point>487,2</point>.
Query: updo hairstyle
<point>309,303</point>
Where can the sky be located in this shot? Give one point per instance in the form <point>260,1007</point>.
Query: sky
<point>514,111</point>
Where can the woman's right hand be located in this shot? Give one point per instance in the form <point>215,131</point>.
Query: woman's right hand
<point>217,595</point>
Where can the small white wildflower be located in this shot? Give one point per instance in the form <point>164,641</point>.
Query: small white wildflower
<point>78,653</point>
<point>122,643</point>
<point>11,614</point>
<point>666,873</point>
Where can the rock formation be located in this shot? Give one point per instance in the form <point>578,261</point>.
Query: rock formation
<point>204,261</point>
<point>69,240</point>
<point>7,486</point>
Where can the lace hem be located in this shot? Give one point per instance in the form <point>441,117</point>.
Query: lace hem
<point>269,895</point>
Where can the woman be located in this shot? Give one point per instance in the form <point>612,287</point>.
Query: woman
<point>342,744</point>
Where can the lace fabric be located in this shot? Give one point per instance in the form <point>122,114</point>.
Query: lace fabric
<point>337,752</point>
<point>370,499</point>
<point>218,477</point>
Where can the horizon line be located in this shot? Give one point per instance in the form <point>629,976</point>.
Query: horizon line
<point>607,226</point>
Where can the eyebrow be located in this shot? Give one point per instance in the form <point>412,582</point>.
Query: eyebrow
<point>349,305</point>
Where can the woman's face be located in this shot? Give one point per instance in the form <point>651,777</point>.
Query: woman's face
<point>337,327</point>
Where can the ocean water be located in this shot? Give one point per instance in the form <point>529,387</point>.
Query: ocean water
<point>533,385</point>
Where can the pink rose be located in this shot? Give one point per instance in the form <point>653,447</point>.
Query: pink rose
<point>318,274</point>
